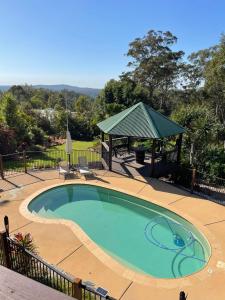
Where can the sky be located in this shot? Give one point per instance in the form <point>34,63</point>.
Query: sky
<point>84,42</point>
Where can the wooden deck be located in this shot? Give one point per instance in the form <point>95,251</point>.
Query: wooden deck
<point>127,166</point>
<point>14,286</point>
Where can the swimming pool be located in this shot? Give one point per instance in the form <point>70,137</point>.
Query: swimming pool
<point>139,234</point>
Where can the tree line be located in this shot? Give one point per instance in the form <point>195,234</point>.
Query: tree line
<point>189,90</point>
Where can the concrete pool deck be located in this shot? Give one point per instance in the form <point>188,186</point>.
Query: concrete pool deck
<point>58,244</point>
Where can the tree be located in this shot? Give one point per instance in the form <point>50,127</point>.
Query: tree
<point>37,136</point>
<point>36,101</point>
<point>15,118</point>
<point>199,61</point>
<point>209,65</point>
<point>44,123</point>
<point>60,121</point>
<point>120,94</point>
<point>202,129</point>
<point>215,79</point>
<point>83,106</point>
<point>9,110</point>
<point>19,93</point>
<point>7,140</point>
<point>154,65</point>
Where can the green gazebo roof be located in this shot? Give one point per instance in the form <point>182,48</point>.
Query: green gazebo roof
<point>142,121</point>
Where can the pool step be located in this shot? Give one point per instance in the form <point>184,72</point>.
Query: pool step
<point>47,214</point>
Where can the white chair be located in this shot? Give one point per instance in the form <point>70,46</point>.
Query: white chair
<point>83,167</point>
<point>64,169</point>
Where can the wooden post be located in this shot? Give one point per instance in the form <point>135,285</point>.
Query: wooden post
<point>193,180</point>
<point>103,136</point>
<point>6,223</point>
<point>179,144</point>
<point>24,161</point>
<point>5,249</point>
<point>110,152</point>
<point>76,289</point>
<point>102,141</point>
<point>1,167</point>
<point>153,158</point>
<point>128,144</point>
<point>102,149</point>
<point>182,296</point>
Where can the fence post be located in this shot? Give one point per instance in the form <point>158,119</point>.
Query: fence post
<point>110,152</point>
<point>6,223</point>
<point>5,249</point>
<point>76,289</point>
<point>24,161</point>
<point>1,167</point>
<point>193,178</point>
<point>182,296</point>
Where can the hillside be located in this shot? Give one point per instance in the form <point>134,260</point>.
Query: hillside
<point>59,87</point>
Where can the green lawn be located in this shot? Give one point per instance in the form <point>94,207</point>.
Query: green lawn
<point>77,145</point>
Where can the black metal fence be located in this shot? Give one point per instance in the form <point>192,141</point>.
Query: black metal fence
<point>12,164</point>
<point>89,293</point>
<point>210,186</point>
<point>2,257</point>
<point>202,183</point>
<point>17,258</point>
<point>22,261</point>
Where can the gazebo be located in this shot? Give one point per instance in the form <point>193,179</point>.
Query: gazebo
<point>142,122</point>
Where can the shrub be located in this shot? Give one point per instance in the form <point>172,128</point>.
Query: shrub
<point>25,241</point>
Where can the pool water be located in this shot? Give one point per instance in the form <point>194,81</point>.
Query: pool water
<point>139,234</point>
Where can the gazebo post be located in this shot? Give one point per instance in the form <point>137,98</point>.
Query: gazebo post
<point>153,158</point>
<point>128,144</point>
<point>102,138</point>
<point>102,141</point>
<point>179,144</point>
<point>110,152</point>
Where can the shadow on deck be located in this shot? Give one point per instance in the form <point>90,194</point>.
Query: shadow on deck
<point>128,166</point>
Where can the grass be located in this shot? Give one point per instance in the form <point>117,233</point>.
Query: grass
<point>77,145</point>
<point>51,157</point>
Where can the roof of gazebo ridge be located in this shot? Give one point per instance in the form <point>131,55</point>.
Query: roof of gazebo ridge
<point>142,121</point>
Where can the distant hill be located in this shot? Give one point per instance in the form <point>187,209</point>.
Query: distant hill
<point>59,87</point>
<point>4,87</point>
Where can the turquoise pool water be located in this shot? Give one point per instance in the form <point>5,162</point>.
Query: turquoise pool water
<point>143,236</point>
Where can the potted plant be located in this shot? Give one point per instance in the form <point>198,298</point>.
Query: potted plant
<point>139,149</point>
<point>26,241</point>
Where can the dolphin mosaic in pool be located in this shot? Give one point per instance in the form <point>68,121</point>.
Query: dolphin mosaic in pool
<point>139,234</point>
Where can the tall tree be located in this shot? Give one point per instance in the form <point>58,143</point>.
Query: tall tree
<point>7,140</point>
<point>83,106</point>
<point>154,64</point>
<point>215,79</point>
<point>200,59</point>
<point>14,118</point>
<point>120,94</point>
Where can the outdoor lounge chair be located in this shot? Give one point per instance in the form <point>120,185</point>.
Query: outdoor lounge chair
<point>64,169</point>
<point>83,167</point>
